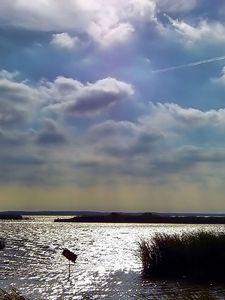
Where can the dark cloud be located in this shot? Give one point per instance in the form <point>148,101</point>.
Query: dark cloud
<point>186,158</point>
<point>12,139</point>
<point>12,116</point>
<point>21,160</point>
<point>144,144</point>
<point>50,134</point>
<point>110,129</point>
<point>17,92</point>
<point>87,164</point>
<point>75,98</point>
<point>92,102</point>
<point>123,138</point>
<point>51,138</point>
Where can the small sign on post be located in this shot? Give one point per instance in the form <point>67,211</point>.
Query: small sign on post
<point>70,256</point>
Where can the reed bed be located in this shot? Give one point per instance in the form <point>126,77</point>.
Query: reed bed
<point>12,295</point>
<point>196,255</point>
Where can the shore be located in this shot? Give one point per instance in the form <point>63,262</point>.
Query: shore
<point>143,218</point>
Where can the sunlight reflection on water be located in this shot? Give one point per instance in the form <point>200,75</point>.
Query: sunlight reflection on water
<point>106,268</point>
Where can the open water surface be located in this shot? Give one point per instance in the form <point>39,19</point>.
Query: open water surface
<point>107,267</point>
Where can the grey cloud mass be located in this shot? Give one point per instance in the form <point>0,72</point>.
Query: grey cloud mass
<point>92,97</point>
<point>144,147</point>
<point>50,134</point>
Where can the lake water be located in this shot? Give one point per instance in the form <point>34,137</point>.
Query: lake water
<point>106,268</point>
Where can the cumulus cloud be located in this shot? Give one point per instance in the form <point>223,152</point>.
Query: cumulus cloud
<point>111,129</point>
<point>120,33</point>
<point>28,129</point>
<point>220,80</point>
<point>203,31</point>
<point>106,22</point>
<point>64,41</point>
<point>144,144</point>
<point>50,134</point>
<point>92,97</point>
<point>166,139</point>
<point>171,115</point>
<point>185,158</point>
<point>159,132</point>
<point>12,116</point>
<point>18,98</point>
<point>123,139</point>
<point>13,91</point>
<point>11,138</point>
<point>4,74</point>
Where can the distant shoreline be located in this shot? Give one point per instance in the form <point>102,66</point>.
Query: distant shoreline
<point>143,218</point>
<point>11,217</point>
<point>118,217</point>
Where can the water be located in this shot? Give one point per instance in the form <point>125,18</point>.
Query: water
<point>107,267</point>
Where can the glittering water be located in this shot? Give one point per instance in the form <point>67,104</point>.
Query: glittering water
<point>107,267</point>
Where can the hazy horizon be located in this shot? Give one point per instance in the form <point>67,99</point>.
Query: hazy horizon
<point>110,105</point>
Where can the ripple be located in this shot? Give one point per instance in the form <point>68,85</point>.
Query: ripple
<point>106,267</point>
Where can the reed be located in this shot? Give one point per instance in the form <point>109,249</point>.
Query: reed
<point>12,295</point>
<point>196,255</point>
<point>2,243</point>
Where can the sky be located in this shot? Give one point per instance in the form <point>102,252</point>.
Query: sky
<point>112,105</point>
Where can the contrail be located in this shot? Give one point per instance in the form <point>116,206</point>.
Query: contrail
<point>193,64</point>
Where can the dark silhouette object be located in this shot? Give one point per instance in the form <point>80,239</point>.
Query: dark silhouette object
<point>7,216</point>
<point>195,255</point>
<point>70,256</point>
<point>2,244</point>
<point>120,217</point>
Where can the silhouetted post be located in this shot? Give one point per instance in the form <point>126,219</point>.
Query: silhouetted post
<point>69,268</point>
<point>70,256</point>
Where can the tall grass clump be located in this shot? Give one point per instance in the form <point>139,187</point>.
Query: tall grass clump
<point>2,244</point>
<point>12,295</point>
<point>196,255</point>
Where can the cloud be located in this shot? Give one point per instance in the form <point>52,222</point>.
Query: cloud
<point>14,138</point>
<point>188,159</point>
<point>50,134</point>
<point>64,41</point>
<point>166,139</point>
<point>16,99</point>
<point>143,145</point>
<point>12,116</point>
<point>92,97</point>
<point>209,32</point>
<point>172,116</point>
<point>106,22</point>
<point>111,129</point>
<point>123,139</point>
<point>220,80</point>
<point>23,160</point>
<point>120,33</point>
<point>4,74</point>
<point>28,130</point>
<point>156,135</point>
<point>13,91</point>
<point>19,99</point>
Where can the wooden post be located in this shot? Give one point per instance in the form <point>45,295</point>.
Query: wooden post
<point>69,268</point>
<point>70,256</point>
